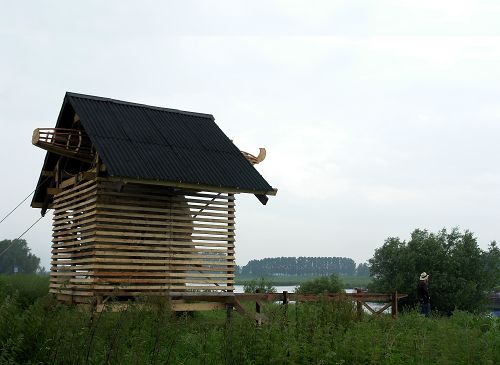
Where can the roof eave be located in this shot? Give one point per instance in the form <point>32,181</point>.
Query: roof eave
<point>200,187</point>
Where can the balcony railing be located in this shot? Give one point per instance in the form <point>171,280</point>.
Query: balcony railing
<point>72,143</point>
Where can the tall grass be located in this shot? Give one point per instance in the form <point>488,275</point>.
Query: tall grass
<point>46,332</point>
<point>28,287</point>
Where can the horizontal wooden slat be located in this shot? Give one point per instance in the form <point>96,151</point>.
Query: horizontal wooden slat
<point>119,281</point>
<point>72,232</point>
<point>124,228</point>
<point>78,193</point>
<point>69,202</point>
<point>159,236</point>
<point>165,287</point>
<point>166,199</point>
<point>156,210</point>
<point>161,248</point>
<point>81,186</point>
<point>75,207</point>
<point>108,240</point>
<point>130,240</point>
<point>70,224</point>
<point>149,261</point>
<point>63,217</point>
<point>136,274</point>
<point>130,186</point>
<point>124,254</point>
<point>144,268</point>
<point>159,224</point>
<point>140,217</point>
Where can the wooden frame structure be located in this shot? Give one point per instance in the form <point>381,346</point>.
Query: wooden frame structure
<point>118,240</point>
<point>122,237</point>
<point>362,300</point>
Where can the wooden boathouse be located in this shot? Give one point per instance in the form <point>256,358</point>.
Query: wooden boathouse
<point>143,200</point>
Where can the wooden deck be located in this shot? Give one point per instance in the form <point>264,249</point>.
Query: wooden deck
<point>193,301</point>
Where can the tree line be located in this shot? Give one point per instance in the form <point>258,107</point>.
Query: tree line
<point>16,257</point>
<point>303,266</point>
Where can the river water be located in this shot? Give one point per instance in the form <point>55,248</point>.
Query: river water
<point>282,288</point>
<point>279,288</point>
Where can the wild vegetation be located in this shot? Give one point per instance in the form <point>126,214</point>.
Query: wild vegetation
<point>45,332</point>
<point>461,274</point>
<point>25,288</point>
<point>260,285</point>
<point>35,329</point>
<point>328,284</point>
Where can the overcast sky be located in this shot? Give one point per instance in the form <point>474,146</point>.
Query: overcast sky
<point>378,117</point>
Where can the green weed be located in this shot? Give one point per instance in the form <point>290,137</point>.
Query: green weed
<point>326,332</point>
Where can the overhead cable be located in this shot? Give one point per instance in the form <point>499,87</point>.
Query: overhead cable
<point>18,238</point>
<point>17,206</point>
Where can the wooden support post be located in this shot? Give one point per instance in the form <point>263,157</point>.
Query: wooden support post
<point>239,308</point>
<point>359,305</point>
<point>394,304</point>
<point>229,312</point>
<point>285,305</point>
<point>258,318</point>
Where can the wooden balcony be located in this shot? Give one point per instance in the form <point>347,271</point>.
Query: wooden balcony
<point>71,143</point>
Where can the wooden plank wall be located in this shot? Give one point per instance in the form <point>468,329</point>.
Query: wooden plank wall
<point>73,228</point>
<point>127,240</point>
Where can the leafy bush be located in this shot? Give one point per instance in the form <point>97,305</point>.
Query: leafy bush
<point>329,284</point>
<point>461,274</point>
<point>262,285</point>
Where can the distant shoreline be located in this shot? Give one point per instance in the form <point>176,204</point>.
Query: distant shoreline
<point>291,280</point>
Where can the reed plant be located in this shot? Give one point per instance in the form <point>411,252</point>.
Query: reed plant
<point>47,332</point>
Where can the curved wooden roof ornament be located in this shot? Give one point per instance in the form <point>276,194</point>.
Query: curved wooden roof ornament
<point>254,160</point>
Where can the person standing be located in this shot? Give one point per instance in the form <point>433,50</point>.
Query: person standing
<point>423,294</point>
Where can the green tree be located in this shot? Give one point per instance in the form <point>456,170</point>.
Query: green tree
<point>363,269</point>
<point>17,254</point>
<point>461,274</point>
<point>329,284</point>
<point>262,285</point>
<point>492,266</point>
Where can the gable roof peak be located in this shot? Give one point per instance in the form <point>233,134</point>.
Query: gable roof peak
<point>70,95</point>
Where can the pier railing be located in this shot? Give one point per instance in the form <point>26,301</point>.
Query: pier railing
<point>193,301</point>
<point>362,300</point>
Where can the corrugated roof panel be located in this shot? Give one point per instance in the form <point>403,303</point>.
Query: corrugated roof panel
<point>174,129</point>
<point>110,148</point>
<point>145,142</point>
<point>98,119</point>
<point>211,136</point>
<point>136,124</point>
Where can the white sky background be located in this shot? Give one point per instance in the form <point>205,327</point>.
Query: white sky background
<point>379,117</point>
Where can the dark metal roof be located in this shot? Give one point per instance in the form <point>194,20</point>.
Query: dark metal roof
<point>152,143</point>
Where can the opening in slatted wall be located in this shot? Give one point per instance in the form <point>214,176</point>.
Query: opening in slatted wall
<point>74,224</point>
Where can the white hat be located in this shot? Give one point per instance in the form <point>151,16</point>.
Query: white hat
<point>424,276</point>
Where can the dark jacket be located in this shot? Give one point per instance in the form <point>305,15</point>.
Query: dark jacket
<point>423,292</point>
